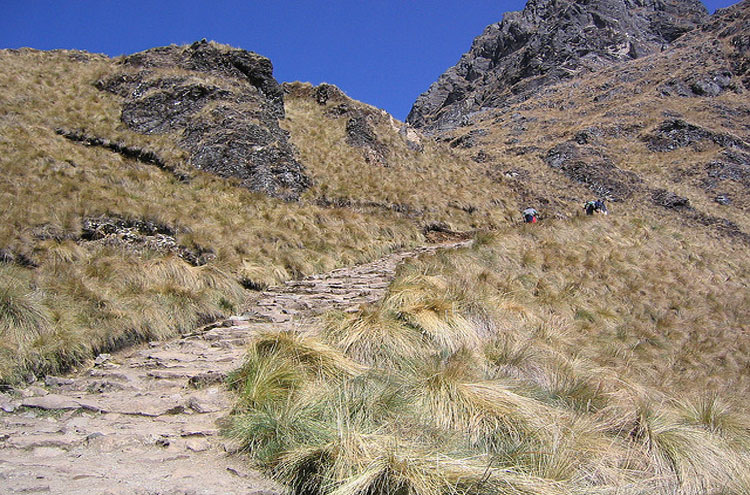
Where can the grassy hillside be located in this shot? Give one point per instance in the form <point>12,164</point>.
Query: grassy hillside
<point>101,248</point>
<point>599,355</point>
<point>578,355</point>
<point>673,121</point>
<point>425,180</point>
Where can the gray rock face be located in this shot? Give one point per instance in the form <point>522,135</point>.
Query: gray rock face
<point>676,133</point>
<point>225,103</point>
<point>138,235</point>
<point>550,40</point>
<point>591,166</point>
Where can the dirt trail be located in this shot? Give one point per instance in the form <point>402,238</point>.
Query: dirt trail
<point>143,421</point>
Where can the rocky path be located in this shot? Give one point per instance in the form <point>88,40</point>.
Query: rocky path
<point>143,421</point>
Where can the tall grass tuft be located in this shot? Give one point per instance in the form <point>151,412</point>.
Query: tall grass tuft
<point>375,337</point>
<point>23,316</point>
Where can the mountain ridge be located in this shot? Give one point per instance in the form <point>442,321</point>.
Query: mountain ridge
<point>549,41</point>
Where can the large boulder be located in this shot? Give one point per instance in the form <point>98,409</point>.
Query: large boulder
<point>225,105</point>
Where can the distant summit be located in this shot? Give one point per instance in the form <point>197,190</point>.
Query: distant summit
<point>548,41</point>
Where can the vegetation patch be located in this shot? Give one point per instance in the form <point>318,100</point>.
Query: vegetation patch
<point>101,246</point>
<point>487,370</point>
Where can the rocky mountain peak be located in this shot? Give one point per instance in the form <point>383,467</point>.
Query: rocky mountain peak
<point>548,41</point>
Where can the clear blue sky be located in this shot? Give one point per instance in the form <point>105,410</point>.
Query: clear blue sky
<point>384,53</point>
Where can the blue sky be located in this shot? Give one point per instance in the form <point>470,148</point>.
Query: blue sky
<point>384,53</point>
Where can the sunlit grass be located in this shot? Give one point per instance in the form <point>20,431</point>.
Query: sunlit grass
<point>470,365</point>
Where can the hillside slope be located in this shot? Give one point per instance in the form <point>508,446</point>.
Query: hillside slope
<point>581,354</point>
<point>148,194</point>
<point>665,135</point>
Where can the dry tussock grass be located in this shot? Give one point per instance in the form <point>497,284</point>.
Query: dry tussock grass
<point>581,367</point>
<point>436,184</point>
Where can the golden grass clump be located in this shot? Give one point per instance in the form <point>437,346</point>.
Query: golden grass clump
<point>23,316</point>
<point>375,337</point>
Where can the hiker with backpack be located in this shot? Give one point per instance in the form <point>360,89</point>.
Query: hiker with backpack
<point>530,215</point>
<point>597,206</point>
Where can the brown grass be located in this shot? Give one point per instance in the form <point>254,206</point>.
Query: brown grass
<point>567,377</point>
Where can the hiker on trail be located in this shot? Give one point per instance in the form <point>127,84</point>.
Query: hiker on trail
<point>597,206</point>
<point>530,215</point>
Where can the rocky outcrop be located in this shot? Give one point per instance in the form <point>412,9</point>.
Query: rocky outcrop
<point>592,167</point>
<point>700,85</point>
<point>133,152</point>
<point>550,40</point>
<point>140,235</point>
<point>360,134</point>
<point>677,133</point>
<point>224,103</point>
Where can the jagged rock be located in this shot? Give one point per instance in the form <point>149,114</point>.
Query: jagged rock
<point>164,111</point>
<point>727,170</point>
<point>240,135</point>
<point>676,87</point>
<point>700,85</point>
<point>705,87</point>
<point>139,235</point>
<point>550,40</point>
<point>592,167</point>
<point>677,133</point>
<point>669,199</point>
<point>324,92</point>
<point>360,134</point>
<point>224,62</point>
